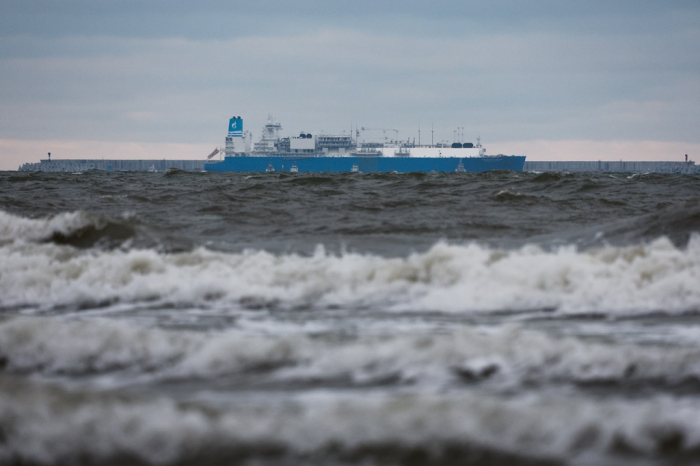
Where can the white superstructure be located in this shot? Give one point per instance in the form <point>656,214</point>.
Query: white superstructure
<point>270,136</point>
<point>238,143</point>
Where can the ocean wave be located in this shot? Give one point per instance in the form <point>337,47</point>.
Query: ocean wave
<point>547,177</point>
<point>653,277</point>
<point>678,223</point>
<point>79,229</point>
<point>500,358</point>
<point>45,425</point>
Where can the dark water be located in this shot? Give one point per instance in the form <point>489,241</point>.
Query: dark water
<point>495,318</point>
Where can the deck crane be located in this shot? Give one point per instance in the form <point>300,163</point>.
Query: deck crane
<point>383,130</point>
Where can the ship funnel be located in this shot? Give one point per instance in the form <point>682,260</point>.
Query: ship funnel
<point>235,127</point>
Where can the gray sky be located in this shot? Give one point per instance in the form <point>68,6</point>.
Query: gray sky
<point>159,79</point>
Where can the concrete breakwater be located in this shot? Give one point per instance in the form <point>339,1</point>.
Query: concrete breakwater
<point>81,165</point>
<point>616,166</point>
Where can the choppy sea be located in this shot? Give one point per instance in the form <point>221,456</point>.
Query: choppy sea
<point>350,319</point>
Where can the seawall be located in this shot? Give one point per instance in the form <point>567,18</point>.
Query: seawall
<point>617,166</point>
<point>81,165</point>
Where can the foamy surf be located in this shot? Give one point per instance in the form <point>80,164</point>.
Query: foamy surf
<point>45,425</point>
<point>502,358</point>
<point>455,278</point>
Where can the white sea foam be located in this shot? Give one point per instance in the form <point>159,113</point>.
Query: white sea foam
<point>501,357</point>
<point>49,426</point>
<point>14,228</point>
<point>450,278</point>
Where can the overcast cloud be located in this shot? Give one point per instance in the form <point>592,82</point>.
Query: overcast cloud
<point>585,80</point>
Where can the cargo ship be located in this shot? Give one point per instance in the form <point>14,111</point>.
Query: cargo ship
<point>320,153</point>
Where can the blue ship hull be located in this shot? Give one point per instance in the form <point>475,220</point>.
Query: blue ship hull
<point>368,164</point>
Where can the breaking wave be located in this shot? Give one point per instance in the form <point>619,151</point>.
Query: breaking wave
<point>368,428</point>
<point>653,277</point>
<point>501,358</point>
<point>79,229</point>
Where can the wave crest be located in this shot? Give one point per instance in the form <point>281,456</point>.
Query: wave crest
<point>69,428</point>
<point>79,228</point>
<point>502,358</point>
<point>654,277</point>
